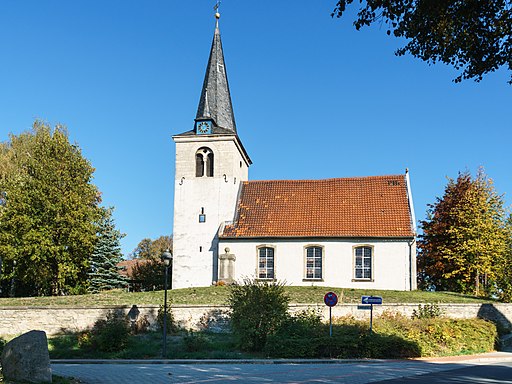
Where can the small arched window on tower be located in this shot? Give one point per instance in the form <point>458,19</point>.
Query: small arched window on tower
<point>209,165</point>
<point>199,165</point>
<point>204,162</point>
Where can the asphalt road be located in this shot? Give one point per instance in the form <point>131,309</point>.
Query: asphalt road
<point>354,373</point>
<point>495,373</point>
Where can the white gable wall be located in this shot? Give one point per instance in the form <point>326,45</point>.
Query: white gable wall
<point>391,267</point>
<point>194,243</point>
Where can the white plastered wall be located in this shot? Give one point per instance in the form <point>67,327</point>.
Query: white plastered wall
<point>194,243</point>
<point>391,266</point>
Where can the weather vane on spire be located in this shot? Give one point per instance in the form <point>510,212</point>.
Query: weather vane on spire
<point>216,9</point>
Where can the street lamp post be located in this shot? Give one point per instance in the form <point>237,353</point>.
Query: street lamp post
<point>167,260</point>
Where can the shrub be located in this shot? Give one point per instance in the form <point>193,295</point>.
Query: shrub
<point>440,336</point>
<point>394,336</point>
<point>296,335</point>
<point>196,342</point>
<point>140,326</point>
<point>427,311</point>
<point>171,324</point>
<point>84,339</point>
<point>2,344</point>
<point>258,309</point>
<point>307,322</point>
<point>111,334</point>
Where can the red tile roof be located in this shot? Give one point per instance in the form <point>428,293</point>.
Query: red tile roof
<point>127,266</point>
<point>375,206</point>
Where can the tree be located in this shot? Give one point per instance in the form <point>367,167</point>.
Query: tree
<point>149,249</point>
<point>473,36</point>
<point>48,215</point>
<point>104,272</point>
<point>464,237</point>
<point>147,273</point>
<point>504,278</point>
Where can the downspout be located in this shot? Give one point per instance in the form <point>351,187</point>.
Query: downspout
<point>412,263</point>
<point>412,258</point>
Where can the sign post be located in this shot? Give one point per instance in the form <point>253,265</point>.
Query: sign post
<point>330,299</point>
<point>371,300</point>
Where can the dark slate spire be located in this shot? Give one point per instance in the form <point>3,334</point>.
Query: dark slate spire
<point>215,101</point>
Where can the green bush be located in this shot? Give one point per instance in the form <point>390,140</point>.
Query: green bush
<point>196,342</point>
<point>296,336</point>
<point>141,325</point>
<point>84,339</point>
<point>258,309</point>
<point>394,336</point>
<point>300,324</point>
<point>427,311</point>
<point>171,324</point>
<point>348,341</point>
<point>110,334</point>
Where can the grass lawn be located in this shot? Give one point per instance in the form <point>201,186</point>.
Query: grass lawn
<point>218,296</point>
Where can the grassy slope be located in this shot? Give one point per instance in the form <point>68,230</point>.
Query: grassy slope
<point>218,296</point>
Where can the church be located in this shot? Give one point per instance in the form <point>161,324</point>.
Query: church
<point>350,232</point>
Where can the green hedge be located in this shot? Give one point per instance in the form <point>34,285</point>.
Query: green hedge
<point>395,336</point>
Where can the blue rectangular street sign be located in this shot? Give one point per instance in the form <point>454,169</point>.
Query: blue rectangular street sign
<point>371,300</point>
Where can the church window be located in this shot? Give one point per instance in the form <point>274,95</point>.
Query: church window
<point>266,263</point>
<point>199,165</point>
<point>363,263</point>
<point>314,262</point>
<point>209,165</point>
<point>204,162</point>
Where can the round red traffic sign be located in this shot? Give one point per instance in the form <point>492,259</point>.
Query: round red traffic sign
<point>330,299</point>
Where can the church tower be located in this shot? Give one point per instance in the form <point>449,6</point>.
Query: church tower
<point>211,163</point>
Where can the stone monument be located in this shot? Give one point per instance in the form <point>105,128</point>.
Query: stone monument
<point>26,359</point>
<point>227,267</point>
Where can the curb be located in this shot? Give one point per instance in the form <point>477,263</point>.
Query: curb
<point>487,357</point>
<point>219,361</point>
<point>466,359</point>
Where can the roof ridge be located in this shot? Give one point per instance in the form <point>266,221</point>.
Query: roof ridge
<point>327,179</point>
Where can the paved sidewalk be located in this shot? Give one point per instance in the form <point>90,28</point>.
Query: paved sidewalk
<point>263,371</point>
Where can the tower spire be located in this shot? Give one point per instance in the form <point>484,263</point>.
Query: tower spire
<point>215,102</point>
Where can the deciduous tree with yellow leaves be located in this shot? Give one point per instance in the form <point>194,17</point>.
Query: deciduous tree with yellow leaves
<point>465,238</point>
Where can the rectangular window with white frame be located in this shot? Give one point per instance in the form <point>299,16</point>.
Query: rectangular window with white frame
<point>314,261</point>
<point>363,263</point>
<point>266,263</point>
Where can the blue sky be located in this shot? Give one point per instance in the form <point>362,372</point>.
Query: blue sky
<point>313,98</point>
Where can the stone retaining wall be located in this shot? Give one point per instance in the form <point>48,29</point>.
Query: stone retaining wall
<point>54,320</point>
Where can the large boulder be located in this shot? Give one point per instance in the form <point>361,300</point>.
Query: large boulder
<point>26,359</point>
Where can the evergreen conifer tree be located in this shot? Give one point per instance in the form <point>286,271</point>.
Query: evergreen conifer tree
<point>104,272</point>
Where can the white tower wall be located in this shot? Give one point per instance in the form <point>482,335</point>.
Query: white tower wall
<point>195,248</point>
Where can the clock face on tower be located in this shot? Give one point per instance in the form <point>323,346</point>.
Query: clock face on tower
<point>203,127</point>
